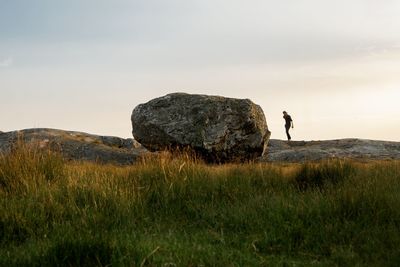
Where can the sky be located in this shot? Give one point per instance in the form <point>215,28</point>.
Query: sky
<point>84,65</point>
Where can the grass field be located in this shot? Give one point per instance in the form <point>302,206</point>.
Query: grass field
<point>174,210</point>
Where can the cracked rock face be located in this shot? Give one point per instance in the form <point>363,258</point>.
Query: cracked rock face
<point>219,129</point>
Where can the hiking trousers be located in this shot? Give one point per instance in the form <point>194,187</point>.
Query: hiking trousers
<point>287,127</point>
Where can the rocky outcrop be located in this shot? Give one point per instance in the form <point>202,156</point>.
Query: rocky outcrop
<point>300,151</point>
<point>217,128</point>
<point>109,149</point>
<point>76,145</point>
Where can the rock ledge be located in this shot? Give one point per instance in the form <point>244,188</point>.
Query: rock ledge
<point>76,145</point>
<point>300,151</point>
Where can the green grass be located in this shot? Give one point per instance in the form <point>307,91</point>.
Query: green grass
<point>174,210</point>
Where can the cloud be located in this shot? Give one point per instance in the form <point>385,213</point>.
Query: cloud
<point>4,63</point>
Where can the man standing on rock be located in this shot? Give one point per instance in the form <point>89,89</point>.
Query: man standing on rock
<point>288,124</point>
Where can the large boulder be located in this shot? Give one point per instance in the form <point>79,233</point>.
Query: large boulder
<point>219,129</point>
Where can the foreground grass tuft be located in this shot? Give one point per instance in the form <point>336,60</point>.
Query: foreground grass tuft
<point>27,167</point>
<point>318,176</point>
<point>174,210</point>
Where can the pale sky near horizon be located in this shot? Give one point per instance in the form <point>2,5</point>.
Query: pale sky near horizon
<point>85,64</point>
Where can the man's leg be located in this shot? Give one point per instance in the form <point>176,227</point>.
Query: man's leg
<point>287,133</point>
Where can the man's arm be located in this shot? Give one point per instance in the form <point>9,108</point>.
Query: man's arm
<point>292,124</point>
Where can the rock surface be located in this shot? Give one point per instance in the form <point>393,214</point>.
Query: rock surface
<point>299,151</point>
<point>109,149</point>
<point>77,145</point>
<point>219,129</point>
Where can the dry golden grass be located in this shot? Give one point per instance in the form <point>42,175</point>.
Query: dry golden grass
<point>173,209</point>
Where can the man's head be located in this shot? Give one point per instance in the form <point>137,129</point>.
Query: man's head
<point>284,113</point>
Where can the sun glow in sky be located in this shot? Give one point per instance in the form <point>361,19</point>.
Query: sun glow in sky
<point>85,64</point>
